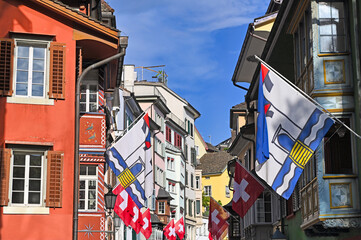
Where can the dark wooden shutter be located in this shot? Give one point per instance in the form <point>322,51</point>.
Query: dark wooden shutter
<point>57,71</point>
<point>6,66</point>
<point>54,184</point>
<point>5,155</point>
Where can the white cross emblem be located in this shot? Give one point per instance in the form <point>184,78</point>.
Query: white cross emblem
<point>214,216</point>
<point>136,214</point>
<point>180,228</point>
<point>124,204</point>
<point>146,223</point>
<point>240,191</point>
<point>171,231</point>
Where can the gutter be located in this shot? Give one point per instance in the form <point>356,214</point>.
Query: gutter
<point>123,46</point>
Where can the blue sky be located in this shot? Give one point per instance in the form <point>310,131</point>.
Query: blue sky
<point>199,41</point>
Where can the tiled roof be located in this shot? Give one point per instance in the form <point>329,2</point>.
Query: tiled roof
<point>240,106</point>
<point>211,148</point>
<point>82,14</point>
<point>214,163</point>
<point>106,7</point>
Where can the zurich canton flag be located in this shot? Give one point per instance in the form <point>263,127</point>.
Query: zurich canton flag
<point>289,129</point>
<point>130,159</point>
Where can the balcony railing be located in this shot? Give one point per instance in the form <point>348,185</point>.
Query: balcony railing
<point>175,119</point>
<point>149,91</point>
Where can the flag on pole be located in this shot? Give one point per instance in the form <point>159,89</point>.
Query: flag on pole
<point>123,205</point>
<point>146,224</point>
<point>130,160</point>
<point>246,190</point>
<point>217,220</point>
<point>289,129</point>
<point>169,231</point>
<point>179,228</point>
<point>136,219</point>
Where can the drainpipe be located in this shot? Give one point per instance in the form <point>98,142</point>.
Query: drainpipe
<point>123,46</point>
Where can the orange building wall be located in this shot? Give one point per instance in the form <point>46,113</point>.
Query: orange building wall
<point>41,123</point>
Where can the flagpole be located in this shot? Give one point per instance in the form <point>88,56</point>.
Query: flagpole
<point>307,96</point>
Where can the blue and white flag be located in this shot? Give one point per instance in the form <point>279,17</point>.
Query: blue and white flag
<point>289,129</point>
<point>130,158</point>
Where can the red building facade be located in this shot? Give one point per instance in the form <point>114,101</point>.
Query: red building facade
<point>44,45</point>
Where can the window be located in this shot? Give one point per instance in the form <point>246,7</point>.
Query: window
<point>263,208</point>
<point>192,178</point>
<point>186,178</point>
<point>208,190</point>
<point>177,140</point>
<point>185,151</point>
<point>190,205</point>
<point>193,156</point>
<point>89,97</point>
<point>168,134</point>
<point>159,177</point>
<point>161,208</point>
<point>171,187</point>
<point>31,70</point>
<point>198,207</point>
<point>88,187</point>
<point>27,178</point>
<point>338,151</point>
<point>172,212</point>
<point>332,26</point>
<point>170,163</point>
<point>228,194</point>
<point>198,183</point>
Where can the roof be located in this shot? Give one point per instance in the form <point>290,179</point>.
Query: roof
<point>77,16</point>
<point>163,194</point>
<point>214,163</point>
<point>211,148</point>
<point>106,7</point>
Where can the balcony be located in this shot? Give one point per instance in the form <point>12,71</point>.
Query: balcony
<point>143,92</point>
<point>176,120</point>
<point>92,131</point>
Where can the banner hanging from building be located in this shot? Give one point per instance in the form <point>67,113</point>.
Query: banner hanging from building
<point>130,158</point>
<point>289,129</point>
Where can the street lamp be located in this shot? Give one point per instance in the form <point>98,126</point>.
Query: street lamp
<point>110,199</point>
<point>231,168</point>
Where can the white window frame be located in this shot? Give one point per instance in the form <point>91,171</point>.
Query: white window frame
<point>26,183</point>
<point>161,208</point>
<point>88,178</point>
<point>89,83</point>
<point>198,182</point>
<point>208,190</point>
<point>44,100</point>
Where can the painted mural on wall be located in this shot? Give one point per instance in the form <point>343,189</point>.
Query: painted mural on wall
<point>92,131</point>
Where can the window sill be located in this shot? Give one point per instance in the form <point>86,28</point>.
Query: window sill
<point>25,210</point>
<point>30,100</point>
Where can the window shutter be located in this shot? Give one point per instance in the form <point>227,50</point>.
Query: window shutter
<point>54,184</point>
<point>5,155</point>
<point>6,66</point>
<point>57,71</point>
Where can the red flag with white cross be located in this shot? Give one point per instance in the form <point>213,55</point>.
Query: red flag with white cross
<point>246,190</point>
<point>123,205</point>
<point>217,220</point>
<point>179,228</point>
<point>146,224</point>
<point>136,218</point>
<point>169,231</point>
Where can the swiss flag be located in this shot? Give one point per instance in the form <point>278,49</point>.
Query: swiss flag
<point>179,228</point>
<point>146,225</point>
<point>217,220</point>
<point>169,231</point>
<point>123,205</point>
<point>136,216</point>
<point>246,190</point>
